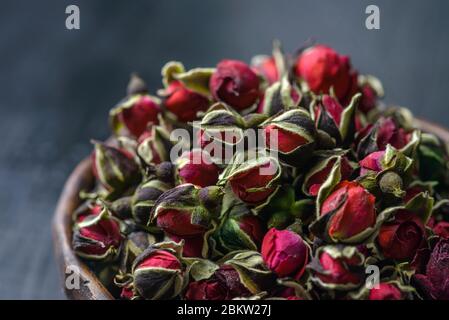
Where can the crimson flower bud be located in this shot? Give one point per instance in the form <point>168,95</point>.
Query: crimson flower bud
<point>285,253</point>
<point>401,238</point>
<point>184,103</point>
<point>114,168</point>
<point>97,237</point>
<point>266,66</point>
<point>158,273</point>
<point>351,208</point>
<point>196,167</point>
<point>385,291</point>
<point>235,83</point>
<point>322,67</point>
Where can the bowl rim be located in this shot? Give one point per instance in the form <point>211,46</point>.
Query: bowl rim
<point>81,179</point>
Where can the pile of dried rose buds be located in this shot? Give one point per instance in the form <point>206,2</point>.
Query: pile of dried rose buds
<point>345,200</point>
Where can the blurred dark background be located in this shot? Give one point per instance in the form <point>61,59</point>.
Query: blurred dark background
<point>57,85</point>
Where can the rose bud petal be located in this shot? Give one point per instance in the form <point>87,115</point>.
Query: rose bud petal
<point>127,293</point>
<point>352,210</point>
<point>158,272</point>
<point>137,110</point>
<point>390,133</point>
<point>184,103</point>
<point>97,237</point>
<point>385,291</point>
<point>240,233</point>
<point>145,197</point>
<point>322,67</point>
<point>441,229</point>
<point>401,238</point>
<point>372,162</point>
<point>292,134</point>
<point>285,253</point>
<point>235,83</point>
<point>320,172</point>
<point>196,167</point>
<point>206,290</point>
<point>266,67</point>
<point>186,210</point>
<point>193,246</point>
<point>338,267</point>
<point>154,146</point>
<point>114,168</point>
<point>434,282</point>
<point>253,181</point>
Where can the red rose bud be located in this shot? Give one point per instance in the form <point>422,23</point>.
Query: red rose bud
<point>235,83</point>
<point>97,237</point>
<point>206,290</point>
<point>434,282</point>
<point>385,291</point>
<point>401,238</point>
<point>339,268</point>
<point>333,109</point>
<point>291,133</point>
<point>184,211</point>
<point>369,99</point>
<point>372,162</point>
<point>322,67</point>
<point>285,253</point>
<point>441,229</point>
<point>184,103</point>
<point>240,233</point>
<point>352,209</point>
<point>137,110</point>
<point>158,273</point>
<point>192,247</point>
<point>254,181</point>
<point>196,167</point>
<point>320,172</point>
<point>389,133</point>
<point>114,168</point>
<point>266,67</point>
<point>154,146</point>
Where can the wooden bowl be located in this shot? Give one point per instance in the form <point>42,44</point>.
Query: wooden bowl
<point>82,179</point>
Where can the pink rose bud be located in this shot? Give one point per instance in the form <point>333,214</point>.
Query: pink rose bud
<point>390,133</point>
<point>235,84</point>
<point>337,270</point>
<point>372,162</point>
<point>268,69</point>
<point>353,210</point>
<point>385,291</point>
<point>401,238</point>
<point>322,68</point>
<point>196,167</point>
<point>184,103</point>
<point>285,253</point>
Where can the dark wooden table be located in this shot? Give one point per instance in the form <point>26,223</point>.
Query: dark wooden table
<point>56,86</point>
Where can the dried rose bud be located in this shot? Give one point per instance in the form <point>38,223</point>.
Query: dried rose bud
<point>196,167</point>
<point>372,162</point>
<point>114,168</point>
<point>266,67</point>
<point>158,272</point>
<point>235,83</point>
<point>434,282</point>
<point>97,236</point>
<point>323,68</point>
<point>145,197</point>
<point>320,172</point>
<point>184,103</point>
<point>338,267</point>
<point>185,210</point>
<point>401,238</point>
<point>154,146</point>
<point>293,134</point>
<point>285,253</point>
<point>193,246</point>
<point>385,291</point>
<point>240,233</point>
<point>137,110</point>
<point>351,211</point>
